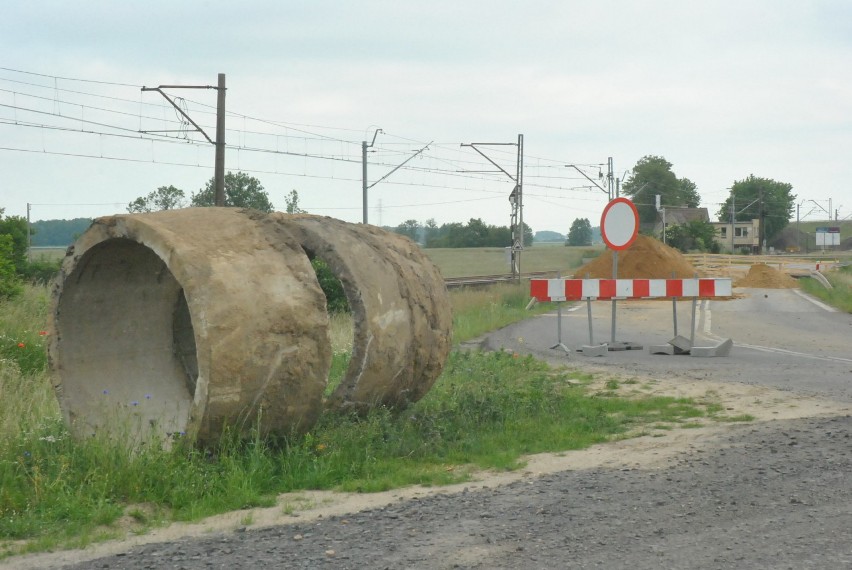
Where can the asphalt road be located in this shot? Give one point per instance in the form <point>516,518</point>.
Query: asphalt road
<point>782,338</point>
<point>774,494</point>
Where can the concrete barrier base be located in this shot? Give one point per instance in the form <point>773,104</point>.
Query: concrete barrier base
<point>721,349</point>
<point>597,350</point>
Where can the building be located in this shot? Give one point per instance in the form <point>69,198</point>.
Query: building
<point>674,216</point>
<point>744,235</point>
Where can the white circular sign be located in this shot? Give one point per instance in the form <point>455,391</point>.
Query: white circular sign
<point>619,224</point>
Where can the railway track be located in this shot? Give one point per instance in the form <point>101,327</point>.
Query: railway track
<point>482,280</point>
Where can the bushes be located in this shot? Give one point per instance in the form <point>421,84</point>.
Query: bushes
<point>331,286</point>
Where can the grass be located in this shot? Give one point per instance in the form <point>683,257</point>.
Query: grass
<point>487,411</point>
<point>477,310</point>
<point>840,295</point>
<point>464,262</point>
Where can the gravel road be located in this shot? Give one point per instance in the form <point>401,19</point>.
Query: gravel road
<point>771,495</point>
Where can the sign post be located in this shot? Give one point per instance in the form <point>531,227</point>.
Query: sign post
<point>619,228</point>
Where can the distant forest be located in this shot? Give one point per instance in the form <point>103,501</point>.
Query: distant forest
<point>58,233</point>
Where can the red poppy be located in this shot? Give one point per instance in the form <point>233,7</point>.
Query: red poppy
<point>21,345</point>
<point>42,333</point>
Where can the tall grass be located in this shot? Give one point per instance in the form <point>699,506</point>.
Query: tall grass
<point>840,295</point>
<point>477,311</point>
<point>486,411</point>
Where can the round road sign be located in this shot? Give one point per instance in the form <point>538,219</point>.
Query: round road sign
<point>619,224</point>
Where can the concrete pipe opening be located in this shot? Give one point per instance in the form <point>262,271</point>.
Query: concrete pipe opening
<point>125,335</point>
<point>188,322</point>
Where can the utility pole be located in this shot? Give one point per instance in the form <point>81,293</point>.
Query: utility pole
<point>364,186</point>
<point>219,163</point>
<point>29,235</point>
<point>733,217</point>
<point>364,147</point>
<point>516,200</point>
<point>761,230</point>
<point>609,178</point>
<point>219,166</point>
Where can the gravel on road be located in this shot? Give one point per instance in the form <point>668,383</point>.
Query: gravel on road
<point>765,495</point>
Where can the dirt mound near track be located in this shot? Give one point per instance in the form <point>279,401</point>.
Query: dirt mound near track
<point>761,276</point>
<point>647,258</point>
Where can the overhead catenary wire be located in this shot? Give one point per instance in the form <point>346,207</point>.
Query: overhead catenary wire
<point>443,160</point>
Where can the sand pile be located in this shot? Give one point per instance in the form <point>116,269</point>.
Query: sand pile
<point>647,258</point>
<point>762,276</point>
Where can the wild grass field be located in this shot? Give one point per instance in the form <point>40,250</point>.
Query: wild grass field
<point>465,262</point>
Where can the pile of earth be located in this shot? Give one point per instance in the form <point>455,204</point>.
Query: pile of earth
<point>761,276</point>
<point>647,258</point>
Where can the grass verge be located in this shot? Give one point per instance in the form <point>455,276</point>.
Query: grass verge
<point>840,295</point>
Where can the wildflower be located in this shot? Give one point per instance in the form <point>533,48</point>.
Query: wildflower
<point>321,447</point>
<point>105,392</point>
<point>134,403</point>
<point>42,333</point>
<point>147,396</point>
<point>21,345</point>
<point>48,438</point>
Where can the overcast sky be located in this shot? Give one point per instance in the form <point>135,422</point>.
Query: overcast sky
<point>721,89</point>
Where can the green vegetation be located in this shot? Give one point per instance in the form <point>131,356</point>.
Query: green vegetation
<point>164,198</point>
<point>473,234</point>
<point>58,233</point>
<point>754,196</point>
<point>485,412</point>
<point>693,235</point>
<point>241,191</point>
<point>840,295</point>
<point>580,232</point>
<point>653,175</point>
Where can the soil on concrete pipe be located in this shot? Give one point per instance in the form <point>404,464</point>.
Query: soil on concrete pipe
<point>182,322</point>
<point>401,310</point>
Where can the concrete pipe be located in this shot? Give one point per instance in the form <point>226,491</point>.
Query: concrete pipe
<point>400,307</point>
<point>185,321</point>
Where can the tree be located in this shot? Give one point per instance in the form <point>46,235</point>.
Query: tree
<point>164,198</point>
<point>409,228</point>
<point>10,283</point>
<point>580,232</point>
<point>16,228</point>
<point>696,234</point>
<point>653,175</point>
<point>292,201</point>
<point>776,200</point>
<point>241,191</point>
<point>430,230</point>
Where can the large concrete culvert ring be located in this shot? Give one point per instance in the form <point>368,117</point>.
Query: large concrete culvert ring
<point>400,307</point>
<point>186,321</point>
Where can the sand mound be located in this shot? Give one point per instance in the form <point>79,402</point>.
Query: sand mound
<point>762,276</point>
<point>647,258</point>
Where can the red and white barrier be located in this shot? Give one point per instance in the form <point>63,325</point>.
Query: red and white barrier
<point>602,289</point>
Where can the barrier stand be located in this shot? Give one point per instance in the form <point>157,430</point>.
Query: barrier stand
<point>559,343</point>
<point>592,349</point>
<point>557,290</point>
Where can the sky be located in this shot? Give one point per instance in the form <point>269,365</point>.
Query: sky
<point>721,89</point>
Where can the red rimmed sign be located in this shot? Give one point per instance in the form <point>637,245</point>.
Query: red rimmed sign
<point>619,224</point>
